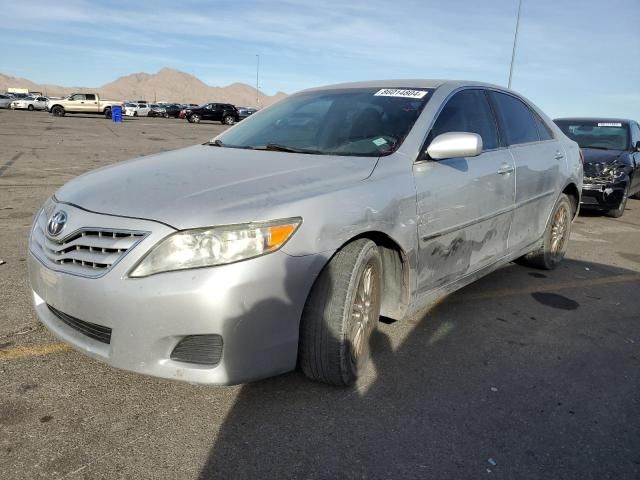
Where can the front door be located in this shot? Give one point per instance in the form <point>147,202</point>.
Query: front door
<point>77,103</point>
<point>464,205</point>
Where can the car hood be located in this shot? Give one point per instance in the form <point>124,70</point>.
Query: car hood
<point>595,155</point>
<point>206,185</point>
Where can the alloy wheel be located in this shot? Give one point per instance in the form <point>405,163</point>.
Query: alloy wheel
<point>364,314</point>
<point>559,231</point>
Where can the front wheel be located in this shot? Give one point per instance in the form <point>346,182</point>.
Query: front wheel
<point>618,212</point>
<point>553,245</point>
<point>228,120</point>
<point>341,314</point>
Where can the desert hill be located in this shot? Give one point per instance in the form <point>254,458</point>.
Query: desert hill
<point>167,85</point>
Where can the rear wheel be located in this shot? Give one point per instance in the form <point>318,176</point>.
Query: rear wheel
<point>553,245</point>
<point>57,111</point>
<point>228,120</point>
<point>30,108</point>
<point>107,113</point>
<point>194,118</point>
<point>618,212</point>
<point>341,314</point>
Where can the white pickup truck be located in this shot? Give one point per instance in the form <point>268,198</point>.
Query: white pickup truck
<point>81,103</point>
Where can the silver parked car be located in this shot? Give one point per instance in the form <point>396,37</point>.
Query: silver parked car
<point>5,101</point>
<point>282,241</point>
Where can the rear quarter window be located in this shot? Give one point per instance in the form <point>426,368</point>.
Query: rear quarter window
<point>517,120</point>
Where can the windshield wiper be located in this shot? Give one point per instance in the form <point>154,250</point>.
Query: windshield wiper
<point>276,147</point>
<point>596,147</point>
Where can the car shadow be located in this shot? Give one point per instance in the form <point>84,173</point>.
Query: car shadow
<point>480,384</point>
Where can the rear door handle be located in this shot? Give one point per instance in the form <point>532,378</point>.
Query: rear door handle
<point>559,156</point>
<point>505,169</point>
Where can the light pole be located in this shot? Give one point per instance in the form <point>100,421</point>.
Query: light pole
<point>515,41</point>
<point>257,80</point>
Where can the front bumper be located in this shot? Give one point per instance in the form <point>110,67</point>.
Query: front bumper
<point>255,306</point>
<point>602,196</point>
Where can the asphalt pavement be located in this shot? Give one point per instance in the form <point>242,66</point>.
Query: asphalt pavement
<point>525,374</point>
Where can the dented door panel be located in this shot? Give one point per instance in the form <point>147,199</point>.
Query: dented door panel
<point>464,209</point>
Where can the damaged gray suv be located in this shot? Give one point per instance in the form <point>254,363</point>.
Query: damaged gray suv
<point>281,242</point>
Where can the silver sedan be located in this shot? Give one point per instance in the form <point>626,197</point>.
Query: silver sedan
<point>281,242</point>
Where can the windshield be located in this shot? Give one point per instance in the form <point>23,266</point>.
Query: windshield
<point>355,121</point>
<point>604,135</point>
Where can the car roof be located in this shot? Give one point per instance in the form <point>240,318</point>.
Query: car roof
<point>595,119</point>
<point>406,83</point>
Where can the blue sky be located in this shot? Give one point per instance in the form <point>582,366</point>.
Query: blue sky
<point>575,57</point>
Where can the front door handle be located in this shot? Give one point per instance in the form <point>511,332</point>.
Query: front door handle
<point>505,169</point>
<point>559,156</point>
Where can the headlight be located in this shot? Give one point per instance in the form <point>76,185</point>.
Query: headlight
<point>615,171</point>
<point>206,247</point>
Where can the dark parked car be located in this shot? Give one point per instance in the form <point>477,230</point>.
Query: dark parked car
<point>172,110</point>
<point>245,112</point>
<point>611,150</point>
<point>221,112</point>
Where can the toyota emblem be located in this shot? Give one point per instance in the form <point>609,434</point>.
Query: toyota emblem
<point>56,223</point>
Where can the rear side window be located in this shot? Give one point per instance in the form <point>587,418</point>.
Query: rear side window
<point>468,111</point>
<point>517,120</point>
<point>544,132</point>
<point>90,96</point>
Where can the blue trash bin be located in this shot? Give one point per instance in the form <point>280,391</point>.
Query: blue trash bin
<point>116,113</point>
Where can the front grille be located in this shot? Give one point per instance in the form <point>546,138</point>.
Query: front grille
<point>91,330</point>
<point>594,173</point>
<point>199,349</point>
<point>90,252</point>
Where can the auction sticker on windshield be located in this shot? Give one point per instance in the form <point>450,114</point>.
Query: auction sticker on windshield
<point>397,92</point>
<point>609,124</point>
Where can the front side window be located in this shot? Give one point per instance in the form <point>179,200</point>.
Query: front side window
<point>635,134</point>
<point>353,121</point>
<point>517,120</point>
<point>78,97</point>
<point>468,111</point>
<point>602,135</point>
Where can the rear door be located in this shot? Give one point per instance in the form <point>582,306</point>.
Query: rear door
<point>91,103</point>
<point>538,160</point>
<point>464,204</point>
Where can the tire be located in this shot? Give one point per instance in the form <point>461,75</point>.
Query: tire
<point>30,108</point>
<point>549,254</point>
<point>194,118</point>
<point>228,120</point>
<point>334,344</point>
<point>135,114</point>
<point>57,111</point>
<point>107,113</point>
<point>618,212</point>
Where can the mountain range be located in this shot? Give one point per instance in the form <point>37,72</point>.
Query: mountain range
<point>168,85</point>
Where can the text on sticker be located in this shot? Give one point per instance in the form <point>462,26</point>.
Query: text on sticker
<point>609,124</point>
<point>398,92</point>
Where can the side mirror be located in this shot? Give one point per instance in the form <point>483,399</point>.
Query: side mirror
<point>455,144</point>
